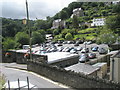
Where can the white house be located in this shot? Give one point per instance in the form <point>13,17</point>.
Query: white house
<point>116,2</point>
<point>48,37</point>
<point>77,12</point>
<point>98,22</point>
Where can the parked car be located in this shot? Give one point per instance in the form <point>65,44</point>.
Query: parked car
<point>85,50</point>
<point>73,51</point>
<point>59,45</point>
<point>65,42</point>
<point>91,55</point>
<point>76,44</point>
<point>94,49</point>
<point>102,51</point>
<point>84,58</point>
<point>59,49</point>
<point>79,48</point>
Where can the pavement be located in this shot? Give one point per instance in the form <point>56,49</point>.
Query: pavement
<point>15,65</point>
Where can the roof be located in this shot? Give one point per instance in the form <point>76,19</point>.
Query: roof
<point>99,64</point>
<point>117,54</point>
<point>82,68</point>
<point>59,56</point>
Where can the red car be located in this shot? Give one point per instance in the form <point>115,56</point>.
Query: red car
<point>92,55</point>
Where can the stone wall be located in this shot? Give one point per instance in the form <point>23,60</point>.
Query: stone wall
<point>10,59</point>
<point>70,78</point>
<point>18,57</point>
<point>114,46</point>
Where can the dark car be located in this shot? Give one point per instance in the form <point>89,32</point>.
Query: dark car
<point>76,44</point>
<point>92,55</point>
<point>94,49</point>
<point>84,58</point>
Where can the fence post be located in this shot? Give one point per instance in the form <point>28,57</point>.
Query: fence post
<point>8,85</point>
<point>18,84</point>
<point>28,82</point>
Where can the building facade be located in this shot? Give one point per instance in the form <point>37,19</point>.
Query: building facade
<point>98,22</point>
<point>58,24</point>
<point>77,12</point>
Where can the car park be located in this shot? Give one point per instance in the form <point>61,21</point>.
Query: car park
<point>84,58</point>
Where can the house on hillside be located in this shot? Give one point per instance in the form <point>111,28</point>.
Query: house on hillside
<point>58,24</point>
<point>98,22</point>
<point>77,12</point>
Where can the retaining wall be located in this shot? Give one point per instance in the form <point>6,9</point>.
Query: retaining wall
<point>70,78</point>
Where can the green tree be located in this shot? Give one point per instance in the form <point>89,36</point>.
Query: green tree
<point>56,32</point>
<point>22,38</point>
<point>107,37</point>
<point>68,36</point>
<point>37,38</point>
<point>113,23</point>
<point>75,22</point>
<point>63,15</point>
<point>9,43</point>
<point>116,8</point>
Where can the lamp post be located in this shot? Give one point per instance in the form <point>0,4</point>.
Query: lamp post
<point>28,24</point>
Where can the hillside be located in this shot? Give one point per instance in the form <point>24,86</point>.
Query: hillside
<point>15,33</point>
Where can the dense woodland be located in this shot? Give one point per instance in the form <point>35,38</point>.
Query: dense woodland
<point>15,33</point>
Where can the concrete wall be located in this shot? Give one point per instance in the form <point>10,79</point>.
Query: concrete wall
<point>70,78</point>
<point>67,61</point>
<point>115,69</point>
<point>105,58</point>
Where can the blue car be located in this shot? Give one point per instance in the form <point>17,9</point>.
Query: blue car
<point>95,49</point>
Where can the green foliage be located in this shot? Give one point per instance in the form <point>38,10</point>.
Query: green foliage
<point>75,22</point>
<point>116,8</point>
<point>2,81</point>
<point>56,32</point>
<point>22,38</point>
<point>107,37</point>
<point>9,43</point>
<point>113,22</point>
<point>68,36</point>
<point>63,15</point>
<point>37,37</point>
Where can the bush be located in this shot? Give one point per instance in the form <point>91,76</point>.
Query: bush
<point>2,81</point>
<point>9,43</point>
<point>68,36</point>
<point>22,38</point>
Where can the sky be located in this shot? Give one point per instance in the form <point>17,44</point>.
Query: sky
<point>40,9</point>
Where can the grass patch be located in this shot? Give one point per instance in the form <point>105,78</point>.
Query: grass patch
<point>2,80</point>
<point>87,30</point>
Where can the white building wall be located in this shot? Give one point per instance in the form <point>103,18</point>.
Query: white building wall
<point>98,22</point>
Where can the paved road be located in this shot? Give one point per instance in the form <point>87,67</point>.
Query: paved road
<point>41,82</point>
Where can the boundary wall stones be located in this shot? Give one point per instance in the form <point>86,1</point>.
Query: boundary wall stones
<point>70,78</point>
